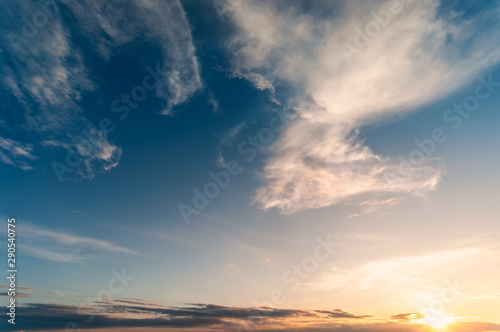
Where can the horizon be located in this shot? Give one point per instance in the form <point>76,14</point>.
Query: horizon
<point>250,165</point>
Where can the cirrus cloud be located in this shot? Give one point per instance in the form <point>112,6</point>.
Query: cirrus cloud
<point>421,56</point>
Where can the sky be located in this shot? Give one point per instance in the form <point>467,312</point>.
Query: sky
<point>251,165</point>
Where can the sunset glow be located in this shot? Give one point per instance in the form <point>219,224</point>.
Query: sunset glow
<point>250,165</point>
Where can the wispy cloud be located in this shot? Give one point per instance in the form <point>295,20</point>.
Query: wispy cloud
<point>48,73</point>
<point>397,272</point>
<point>51,255</point>
<point>135,314</point>
<point>375,202</point>
<point>16,154</point>
<point>212,101</point>
<point>23,288</point>
<point>228,137</point>
<point>61,246</point>
<point>407,317</point>
<point>70,239</point>
<point>138,312</point>
<point>421,56</point>
<point>48,76</point>
<point>163,24</point>
<point>258,81</point>
<point>18,294</point>
<point>494,295</point>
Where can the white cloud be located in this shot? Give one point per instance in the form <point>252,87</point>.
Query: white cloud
<point>15,153</point>
<point>212,101</point>
<point>232,133</point>
<point>161,23</point>
<point>418,58</point>
<point>495,295</point>
<point>258,81</point>
<point>72,240</point>
<point>375,202</point>
<point>61,246</point>
<point>398,272</point>
<point>48,74</point>
<point>51,255</point>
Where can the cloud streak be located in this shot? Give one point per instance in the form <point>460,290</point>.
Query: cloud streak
<point>64,247</point>
<point>162,24</point>
<point>397,272</point>
<point>142,313</point>
<point>420,57</point>
<point>136,313</point>
<point>73,240</point>
<point>16,154</point>
<point>48,75</point>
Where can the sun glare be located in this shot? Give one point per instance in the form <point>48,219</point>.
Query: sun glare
<point>437,321</point>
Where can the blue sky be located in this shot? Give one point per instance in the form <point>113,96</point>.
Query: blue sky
<point>112,114</point>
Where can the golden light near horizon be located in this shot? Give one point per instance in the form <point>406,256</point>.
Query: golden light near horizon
<point>437,321</point>
<point>229,165</point>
